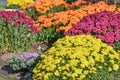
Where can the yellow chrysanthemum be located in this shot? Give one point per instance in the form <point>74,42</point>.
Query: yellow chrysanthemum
<point>18,2</point>
<point>76,61</point>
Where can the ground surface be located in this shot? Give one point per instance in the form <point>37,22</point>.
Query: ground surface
<point>8,74</point>
<point>2,4</point>
<point>5,70</point>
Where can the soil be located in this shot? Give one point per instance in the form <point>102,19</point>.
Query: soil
<point>6,71</point>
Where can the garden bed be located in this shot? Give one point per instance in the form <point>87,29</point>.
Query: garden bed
<point>7,73</point>
<point>60,40</point>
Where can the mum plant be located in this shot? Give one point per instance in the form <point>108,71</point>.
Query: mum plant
<point>17,31</point>
<point>18,2</point>
<point>44,7</point>
<point>104,25</point>
<point>64,20</point>
<point>71,17</point>
<point>76,58</point>
<point>24,61</point>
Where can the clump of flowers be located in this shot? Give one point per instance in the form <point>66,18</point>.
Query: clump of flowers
<point>104,25</point>
<point>19,2</point>
<point>76,58</point>
<point>70,17</point>
<point>28,55</point>
<point>17,31</point>
<point>24,61</point>
<point>42,6</point>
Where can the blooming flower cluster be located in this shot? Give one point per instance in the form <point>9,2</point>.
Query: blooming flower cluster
<point>17,19</point>
<point>75,58</point>
<point>104,25</point>
<point>44,5</point>
<point>18,2</point>
<point>29,55</point>
<point>70,17</point>
<point>18,32</point>
<point>24,61</point>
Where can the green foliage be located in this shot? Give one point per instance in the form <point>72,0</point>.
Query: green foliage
<point>24,62</point>
<point>15,39</point>
<point>16,63</point>
<point>118,5</point>
<point>49,34</point>
<point>16,35</point>
<point>1,78</point>
<point>56,9</point>
<point>110,2</point>
<point>31,11</point>
<point>13,6</point>
<point>117,46</point>
<point>105,75</point>
<point>70,1</point>
<point>80,5</point>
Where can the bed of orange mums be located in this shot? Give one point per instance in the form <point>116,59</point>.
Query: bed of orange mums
<point>70,17</point>
<point>44,5</point>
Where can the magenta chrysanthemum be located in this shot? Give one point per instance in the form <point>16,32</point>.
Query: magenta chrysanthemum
<point>104,25</point>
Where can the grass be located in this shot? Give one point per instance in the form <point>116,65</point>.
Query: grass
<point>1,78</point>
<point>2,5</point>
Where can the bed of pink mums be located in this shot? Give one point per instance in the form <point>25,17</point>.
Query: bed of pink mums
<point>104,25</point>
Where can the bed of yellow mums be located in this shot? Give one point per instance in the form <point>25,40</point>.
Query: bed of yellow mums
<point>18,2</point>
<point>75,58</point>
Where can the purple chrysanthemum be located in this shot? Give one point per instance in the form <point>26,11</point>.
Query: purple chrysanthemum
<point>29,55</point>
